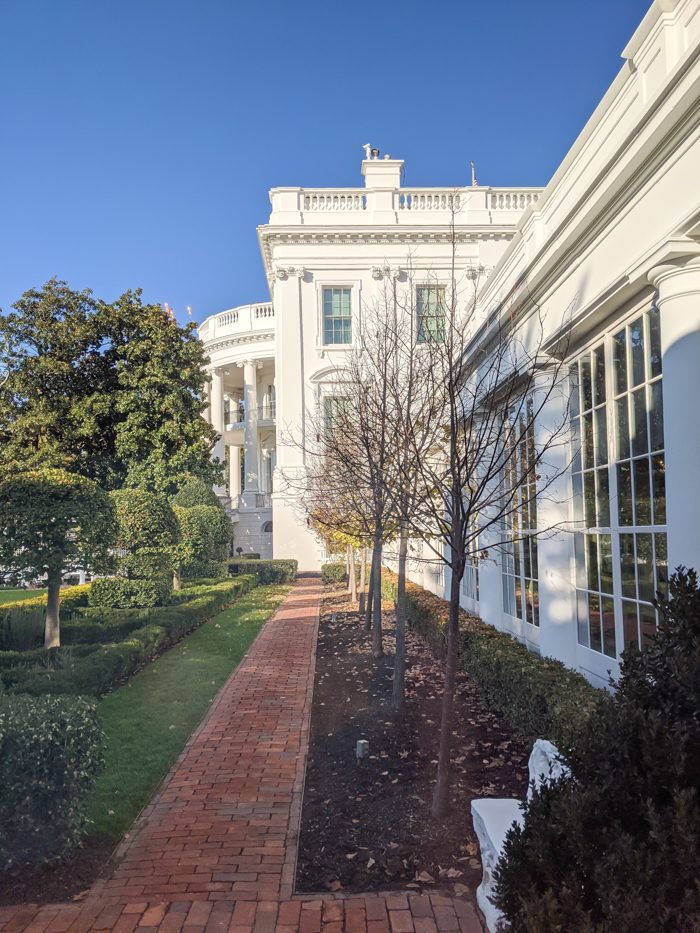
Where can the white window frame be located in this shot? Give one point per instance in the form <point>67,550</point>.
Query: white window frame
<point>355,290</point>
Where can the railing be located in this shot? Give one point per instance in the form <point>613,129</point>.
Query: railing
<point>429,200</point>
<point>237,416</point>
<point>262,311</point>
<point>335,201</point>
<point>512,200</point>
<point>267,412</point>
<point>231,317</point>
<point>263,500</point>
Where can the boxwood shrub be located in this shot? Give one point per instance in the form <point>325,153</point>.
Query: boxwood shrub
<point>118,593</point>
<point>70,598</point>
<point>51,752</point>
<point>540,697</point>
<point>268,571</point>
<point>333,573</point>
<point>101,670</point>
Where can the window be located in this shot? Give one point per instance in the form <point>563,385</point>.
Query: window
<point>430,305</point>
<point>336,410</point>
<point>267,528</point>
<point>618,481</point>
<point>337,315</point>
<point>519,542</point>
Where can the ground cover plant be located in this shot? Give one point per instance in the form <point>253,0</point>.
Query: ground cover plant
<point>368,826</point>
<point>146,723</point>
<point>14,596</point>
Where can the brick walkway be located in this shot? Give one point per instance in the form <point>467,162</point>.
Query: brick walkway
<point>215,851</point>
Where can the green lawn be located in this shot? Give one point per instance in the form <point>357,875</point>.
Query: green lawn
<point>14,596</point>
<point>147,721</point>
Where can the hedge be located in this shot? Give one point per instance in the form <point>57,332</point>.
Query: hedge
<point>51,752</point>
<point>333,573</point>
<point>70,598</point>
<point>539,697</point>
<point>205,569</point>
<point>268,571</point>
<point>118,593</point>
<point>101,670</point>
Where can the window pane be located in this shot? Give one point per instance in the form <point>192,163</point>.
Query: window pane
<point>535,603</point>
<point>574,407</point>
<point>624,493</point>
<point>640,441</point>
<point>656,415</point>
<point>608,613</point>
<point>586,386</point>
<point>518,597</point>
<point>588,441</point>
<point>592,549</point>
<point>620,362</point>
<point>582,614</point>
<point>603,498</point>
<point>589,490</point>
<point>622,428</point>
<point>606,574</point>
<point>627,566</point>
<point>645,568</point>
<point>578,497</point>
<point>594,619</point>
<point>629,621</point>
<point>642,492</point>
<point>533,543</point>
<point>658,478</point>
<point>528,600</point>
<point>637,348</point>
<point>575,445</point>
<point>601,436</point>
<point>647,616</point>
<point>654,344</point>
<point>599,375</point>
<point>661,565</point>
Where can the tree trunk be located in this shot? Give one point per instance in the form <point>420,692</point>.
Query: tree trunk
<point>370,597</point>
<point>177,584</point>
<point>52,630</point>
<point>399,690</point>
<point>353,577</point>
<point>377,647</point>
<point>441,795</point>
<point>347,567</point>
<point>363,579</point>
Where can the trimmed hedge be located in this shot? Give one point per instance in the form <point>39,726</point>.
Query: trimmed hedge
<point>205,569</point>
<point>51,752</point>
<point>333,573</point>
<point>70,598</point>
<point>540,697</point>
<point>100,671</point>
<point>268,571</point>
<point>118,593</point>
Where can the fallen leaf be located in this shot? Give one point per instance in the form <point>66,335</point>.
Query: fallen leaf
<point>461,889</point>
<point>352,855</point>
<point>370,863</point>
<point>424,877</point>
<point>336,886</point>
<point>454,873</point>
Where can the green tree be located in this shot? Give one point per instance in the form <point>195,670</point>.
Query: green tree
<point>195,491</point>
<point>110,391</point>
<point>48,519</point>
<point>194,542</point>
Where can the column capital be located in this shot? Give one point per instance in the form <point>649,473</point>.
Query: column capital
<point>256,363</point>
<point>682,266</point>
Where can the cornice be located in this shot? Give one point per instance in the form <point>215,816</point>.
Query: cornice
<point>262,337</point>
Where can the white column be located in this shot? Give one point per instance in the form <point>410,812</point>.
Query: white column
<point>678,283</point>
<point>250,434</point>
<point>217,419</point>
<point>234,482</point>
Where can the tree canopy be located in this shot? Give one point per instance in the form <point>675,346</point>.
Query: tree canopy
<point>113,392</point>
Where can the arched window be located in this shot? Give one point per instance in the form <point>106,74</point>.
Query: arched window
<point>267,528</point>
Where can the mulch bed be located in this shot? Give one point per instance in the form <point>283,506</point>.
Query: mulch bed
<point>367,826</point>
<point>60,882</point>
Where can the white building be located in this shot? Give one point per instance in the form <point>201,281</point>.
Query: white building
<point>611,249</point>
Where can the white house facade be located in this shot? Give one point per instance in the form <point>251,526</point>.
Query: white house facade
<point>609,254</point>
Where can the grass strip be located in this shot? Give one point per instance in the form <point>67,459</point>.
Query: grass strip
<point>15,596</point>
<point>148,721</point>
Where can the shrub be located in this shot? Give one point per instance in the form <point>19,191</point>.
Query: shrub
<point>205,569</point>
<point>268,571</point>
<point>145,564</point>
<point>118,593</point>
<point>615,846</point>
<point>333,573</point>
<point>196,492</point>
<point>540,697</point>
<point>145,520</point>
<point>101,670</point>
<point>19,622</point>
<point>51,752</point>
<point>220,528</point>
<point>251,556</point>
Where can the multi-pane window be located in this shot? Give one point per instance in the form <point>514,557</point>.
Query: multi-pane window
<point>620,547</point>
<point>640,472</point>
<point>336,409</point>
<point>337,315</point>
<point>519,571</point>
<point>430,308</point>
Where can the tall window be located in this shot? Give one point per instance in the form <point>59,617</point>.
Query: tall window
<point>337,315</point>
<point>617,415</point>
<point>430,307</point>
<point>519,542</point>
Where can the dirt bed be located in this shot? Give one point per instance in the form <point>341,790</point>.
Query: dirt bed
<point>367,826</point>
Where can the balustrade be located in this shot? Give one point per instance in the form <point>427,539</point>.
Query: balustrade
<point>335,201</point>
<point>512,200</point>
<point>231,317</point>
<point>429,200</point>
<point>263,311</point>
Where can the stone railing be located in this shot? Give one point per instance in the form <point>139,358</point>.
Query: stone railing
<point>246,319</point>
<point>511,200</point>
<point>414,199</point>
<point>231,317</point>
<point>350,200</point>
<point>262,311</point>
<point>263,500</point>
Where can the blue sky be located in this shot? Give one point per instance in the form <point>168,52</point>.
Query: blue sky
<point>140,137</point>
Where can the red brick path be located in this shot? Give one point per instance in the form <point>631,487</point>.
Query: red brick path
<point>215,851</point>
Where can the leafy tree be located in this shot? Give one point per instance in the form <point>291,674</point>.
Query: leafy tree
<point>49,518</point>
<point>110,391</point>
<point>220,528</point>
<point>195,491</point>
<point>145,519</point>
<point>194,543</point>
